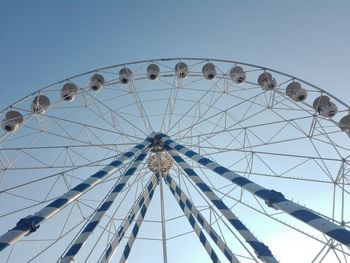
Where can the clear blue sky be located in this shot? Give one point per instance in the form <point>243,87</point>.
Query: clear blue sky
<point>45,41</point>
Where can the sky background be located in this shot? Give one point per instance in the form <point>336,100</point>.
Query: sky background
<point>46,41</point>
<point>42,42</point>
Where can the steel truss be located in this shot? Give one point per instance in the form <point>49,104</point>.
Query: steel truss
<point>272,198</point>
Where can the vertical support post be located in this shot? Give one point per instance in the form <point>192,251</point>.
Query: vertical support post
<point>198,232</point>
<point>95,220</point>
<point>143,198</point>
<point>31,223</point>
<point>190,209</point>
<point>136,228</point>
<point>165,254</point>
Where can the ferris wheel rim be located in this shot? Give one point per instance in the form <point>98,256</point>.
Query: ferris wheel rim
<point>323,91</point>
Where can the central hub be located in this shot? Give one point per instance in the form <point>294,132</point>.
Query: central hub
<point>159,162</point>
<point>157,144</point>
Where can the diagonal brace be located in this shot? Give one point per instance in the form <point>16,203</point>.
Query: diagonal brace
<point>190,209</point>
<point>272,198</point>
<point>32,222</point>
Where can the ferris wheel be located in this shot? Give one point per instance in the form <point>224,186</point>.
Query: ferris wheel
<point>176,160</point>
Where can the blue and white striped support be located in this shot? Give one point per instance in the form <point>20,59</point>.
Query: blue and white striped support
<point>144,198</point>
<point>95,220</point>
<point>271,197</point>
<point>189,210</point>
<point>137,226</point>
<point>31,223</point>
<point>260,249</point>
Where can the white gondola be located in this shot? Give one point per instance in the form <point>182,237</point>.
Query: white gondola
<point>12,121</point>
<point>237,74</point>
<point>96,82</point>
<point>153,72</point>
<point>296,92</point>
<point>325,107</point>
<point>209,71</point>
<point>181,70</point>
<point>40,104</point>
<point>344,124</point>
<point>69,91</point>
<point>125,75</point>
<point>266,81</point>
